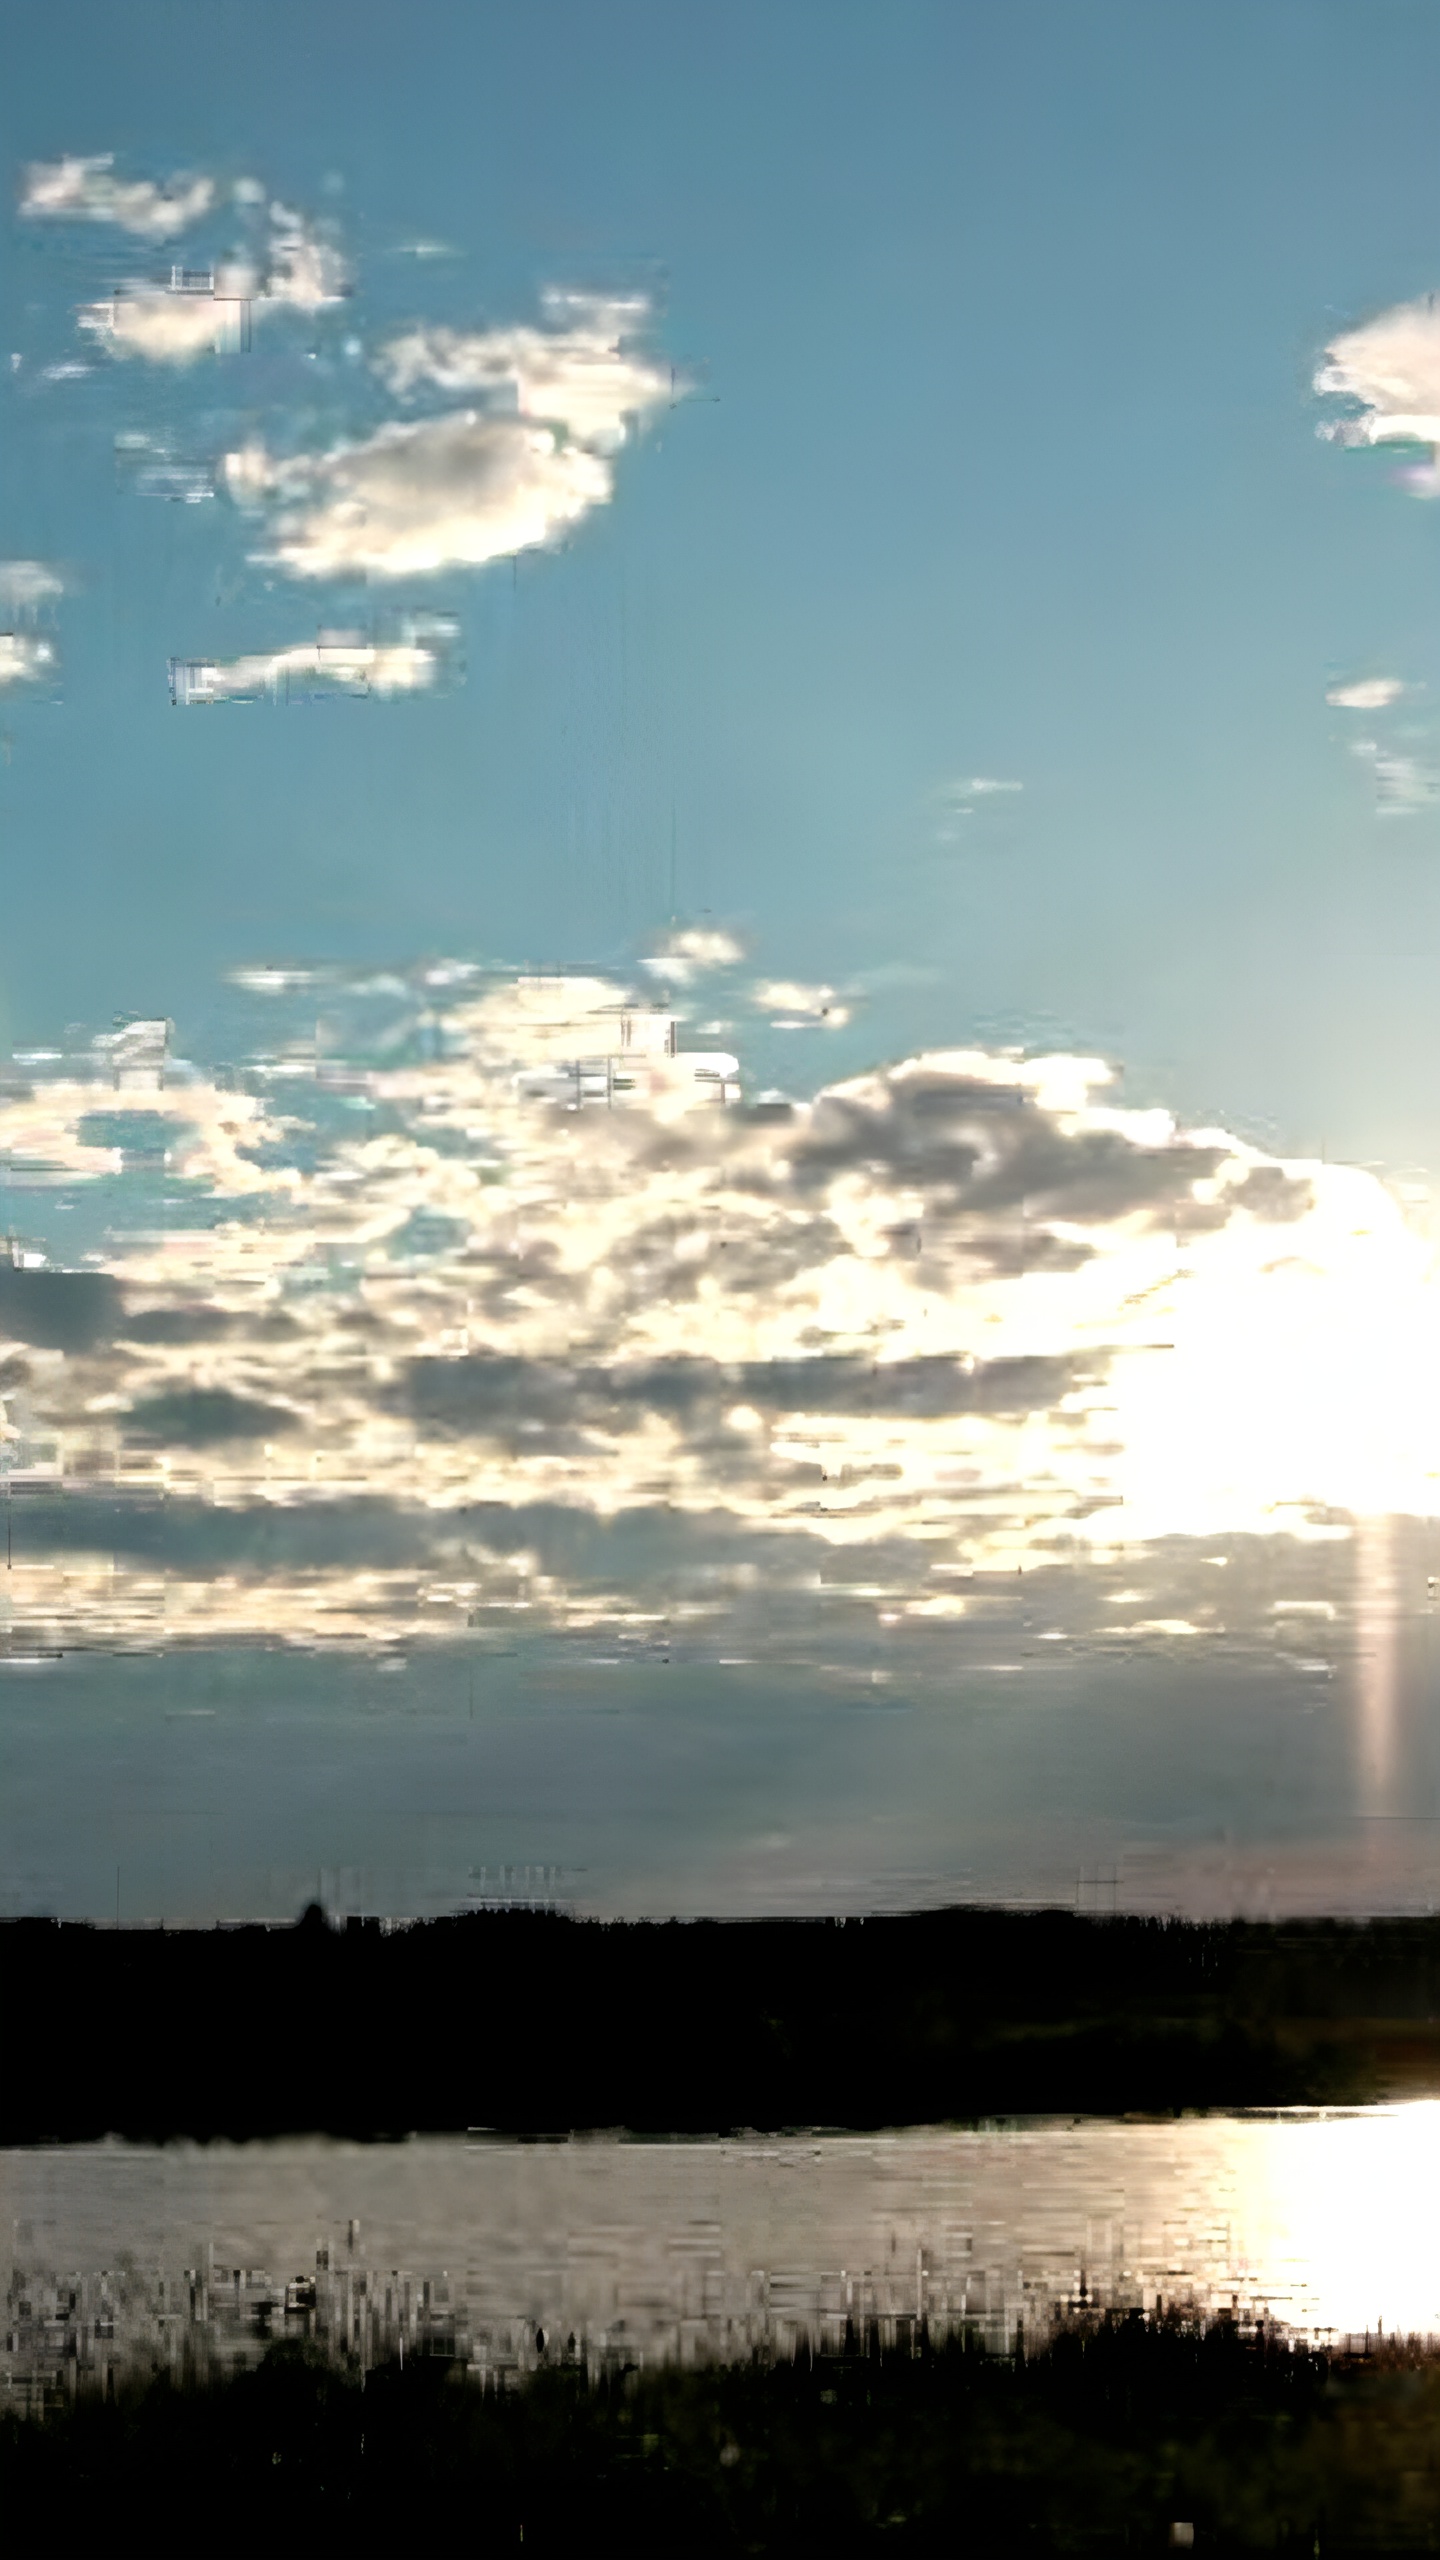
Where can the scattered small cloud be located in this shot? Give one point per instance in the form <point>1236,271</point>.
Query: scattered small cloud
<point>23,658</point>
<point>514,473</point>
<point>794,1004</point>
<point>691,953</point>
<point>582,374</point>
<point>344,660</point>
<point>960,802</point>
<point>26,584</point>
<point>84,190</point>
<point>210,311</point>
<point>197,314</point>
<point>1372,693</point>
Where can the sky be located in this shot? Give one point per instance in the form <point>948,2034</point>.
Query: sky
<point>720,806</point>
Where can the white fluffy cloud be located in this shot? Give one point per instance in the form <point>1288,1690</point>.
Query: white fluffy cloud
<point>472,485</point>
<point>345,660</point>
<point>24,659</point>
<point>419,497</point>
<point>1372,693</point>
<point>84,190</point>
<point>1390,366</point>
<point>583,374</point>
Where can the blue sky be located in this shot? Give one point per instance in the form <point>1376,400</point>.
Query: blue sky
<point>936,640</point>
<point>1002,462</point>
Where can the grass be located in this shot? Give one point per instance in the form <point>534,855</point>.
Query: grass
<point>1119,2430</point>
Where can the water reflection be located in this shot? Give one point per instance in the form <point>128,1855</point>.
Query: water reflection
<point>506,2254</point>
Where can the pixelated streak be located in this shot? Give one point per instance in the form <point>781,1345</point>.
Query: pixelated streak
<point>693,952</point>
<point>1404,787</point>
<point>135,1055</point>
<point>211,311</point>
<point>24,659</point>
<point>27,584</point>
<point>198,313</point>
<point>83,190</point>
<point>343,661</point>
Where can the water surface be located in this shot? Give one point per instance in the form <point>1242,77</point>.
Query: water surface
<point>506,2253</point>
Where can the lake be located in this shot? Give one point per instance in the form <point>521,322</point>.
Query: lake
<point>121,2257</point>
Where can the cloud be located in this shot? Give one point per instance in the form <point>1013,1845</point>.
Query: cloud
<point>208,314</point>
<point>23,658</point>
<point>211,311</point>
<point>692,953</point>
<point>306,272</point>
<point>1372,693</point>
<point>345,660</point>
<point>1403,786</point>
<point>83,190</point>
<point>583,374</point>
<point>789,998</point>
<point>457,490</point>
<point>24,584</point>
<point>416,1301</point>
<point>960,802</point>
<point>416,499</point>
<point>1390,367</point>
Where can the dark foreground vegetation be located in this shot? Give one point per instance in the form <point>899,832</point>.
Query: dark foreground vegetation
<point>1119,2432</point>
<point>531,2022</point>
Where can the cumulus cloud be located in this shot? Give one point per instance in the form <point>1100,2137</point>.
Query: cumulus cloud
<point>26,584</point>
<point>84,190</point>
<point>583,374</point>
<point>1390,368</point>
<point>417,498</point>
<point>470,485</point>
<point>500,1275</point>
<point>24,659</point>
<point>1372,693</point>
<point>344,660</point>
